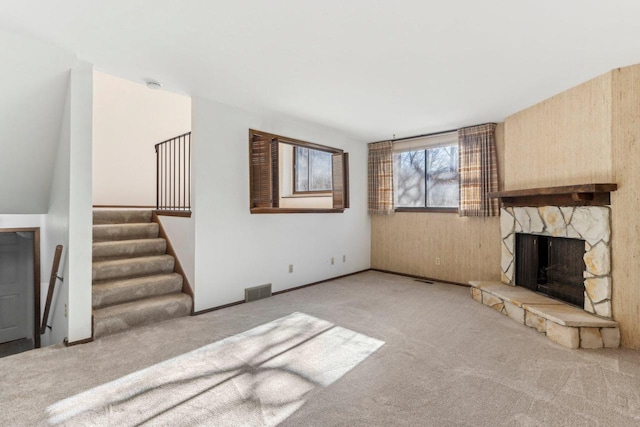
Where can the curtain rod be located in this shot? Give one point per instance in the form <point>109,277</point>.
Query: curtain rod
<point>428,134</point>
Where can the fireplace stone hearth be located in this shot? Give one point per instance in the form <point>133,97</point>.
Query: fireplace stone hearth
<point>569,326</point>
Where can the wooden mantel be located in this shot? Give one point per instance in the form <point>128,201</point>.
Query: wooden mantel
<point>569,195</point>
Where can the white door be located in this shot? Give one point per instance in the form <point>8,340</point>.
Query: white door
<point>13,291</point>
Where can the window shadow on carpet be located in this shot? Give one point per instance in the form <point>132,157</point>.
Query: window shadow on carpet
<point>259,377</point>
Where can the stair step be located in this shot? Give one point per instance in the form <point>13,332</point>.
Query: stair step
<point>132,267</point>
<point>128,248</point>
<point>116,318</point>
<point>121,291</point>
<point>121,216</point>
<point>111,232</point>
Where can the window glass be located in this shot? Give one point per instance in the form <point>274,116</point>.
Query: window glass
<point>302,169</point>
<point>313,170</point>
<point>442,177</point>
<point>427,178</point>
<point>409,169</point>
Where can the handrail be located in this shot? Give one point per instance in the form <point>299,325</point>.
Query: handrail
<point>173,174</point>
<point>52,285</point>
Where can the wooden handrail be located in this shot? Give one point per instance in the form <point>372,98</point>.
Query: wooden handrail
<point>52,284</point>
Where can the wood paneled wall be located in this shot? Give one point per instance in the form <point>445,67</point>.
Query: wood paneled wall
<point>468,248</point>
<point>563,140</point>
<point>625,203</point>
<point>588,134</point>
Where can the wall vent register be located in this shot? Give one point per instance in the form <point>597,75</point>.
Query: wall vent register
<point>257,292</point>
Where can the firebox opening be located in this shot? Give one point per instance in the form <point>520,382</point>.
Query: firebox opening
<point>553,266</point>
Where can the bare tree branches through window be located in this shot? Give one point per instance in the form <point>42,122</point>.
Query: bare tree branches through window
<point>427,178</point>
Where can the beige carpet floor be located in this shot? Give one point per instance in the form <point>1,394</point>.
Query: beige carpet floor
<point>446,361</point>
<point>259,377</point>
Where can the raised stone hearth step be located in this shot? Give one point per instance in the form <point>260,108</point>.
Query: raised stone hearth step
<point>565,324</point>
<point>121,317</point>
<point>132,267</point>
<point>110,232</point>
<point>128,248</point>
<point>121,216</point>
<point>120,291</point>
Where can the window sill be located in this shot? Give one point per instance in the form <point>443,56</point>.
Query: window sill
<point>436,210</point>
<point>292,210</point>
<point>307,195</point>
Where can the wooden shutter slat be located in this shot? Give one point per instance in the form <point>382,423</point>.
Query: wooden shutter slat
<point>261,173</point>
<point>345,179</point>
<point>337,164</point>
<point>275,174</point>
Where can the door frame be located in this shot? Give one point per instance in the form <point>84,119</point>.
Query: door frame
<point>36,278</point>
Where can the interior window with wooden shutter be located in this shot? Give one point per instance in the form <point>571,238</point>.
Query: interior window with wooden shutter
<point>340,167</point>
<point>289,175</point>
<point>264,163</point>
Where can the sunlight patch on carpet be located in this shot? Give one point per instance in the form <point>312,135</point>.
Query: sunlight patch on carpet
<point>259,377</point>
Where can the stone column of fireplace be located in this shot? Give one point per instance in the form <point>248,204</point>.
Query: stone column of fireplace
<point>589,223</point>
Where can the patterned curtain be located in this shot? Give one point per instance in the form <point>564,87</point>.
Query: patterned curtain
<point>478,170</point>
<point>381,178</point>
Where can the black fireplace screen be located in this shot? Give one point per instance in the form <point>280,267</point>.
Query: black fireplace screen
<point>551,265</point>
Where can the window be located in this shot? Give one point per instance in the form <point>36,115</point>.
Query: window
<point>426,177</point>
<point>312,170</point>
<point>319,181</point>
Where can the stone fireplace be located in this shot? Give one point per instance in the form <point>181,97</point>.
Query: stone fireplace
<point>588,223</point>
<point>556,264</point>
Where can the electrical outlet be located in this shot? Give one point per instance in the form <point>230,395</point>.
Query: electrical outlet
<point>344,258</point>
<point>66,311</point>
<point>290,268</point>
<point>332,261</point>
<point>437,260</point>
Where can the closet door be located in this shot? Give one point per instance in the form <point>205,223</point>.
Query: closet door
<point>13,291</point>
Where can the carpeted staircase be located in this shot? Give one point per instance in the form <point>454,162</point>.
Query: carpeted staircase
<point>134,282</point>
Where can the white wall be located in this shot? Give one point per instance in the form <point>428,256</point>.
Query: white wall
<point>181,233</point>
<point>80,209</point>
<point>21,221</point>
<point>56,232</point>
<point>33,82</point>
<point>69,218</point>
<point>129,119</point>
<point>235,249</point>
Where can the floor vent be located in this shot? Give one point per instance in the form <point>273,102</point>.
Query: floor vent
<point>424,281</point>
<point>257,292</point>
